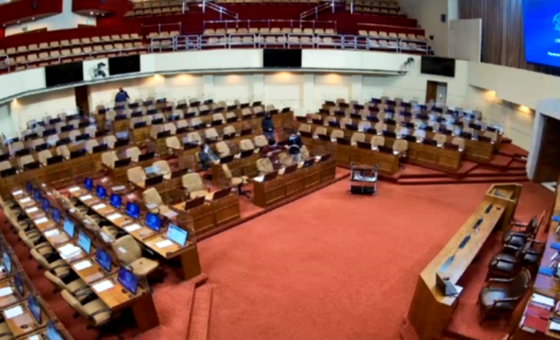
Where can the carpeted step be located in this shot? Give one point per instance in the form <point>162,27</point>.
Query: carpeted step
<point>493,173</point>
<point>200,319</point>
<point>407,332</point>
<point>468,180</point>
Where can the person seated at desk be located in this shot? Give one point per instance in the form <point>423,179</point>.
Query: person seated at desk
<point>271,150</point>
<point>268,126</point>
<point>206,157</point>
<point>294,147</point>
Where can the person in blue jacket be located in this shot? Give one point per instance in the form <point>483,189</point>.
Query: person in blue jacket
<point>121,96</point>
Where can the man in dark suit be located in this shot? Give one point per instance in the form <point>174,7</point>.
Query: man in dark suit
<point>122,96</point>
<point>206,157</point>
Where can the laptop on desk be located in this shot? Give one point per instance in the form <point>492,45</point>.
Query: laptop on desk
<point>246,132</point>
<point>389,134</point>
<point>352,127</point>
<point>317,121</point>
<point>221,194</point>
<point>195,202</point>
<point>82,137</point>
<point>41,147</point>
<point>99,148</point>
<point>325,158</point>
<point>31,136</point>
<point>343,141</point>
<point>246,153</point>
<point>63,141</point>
<point>385,149</point>
<point>306,134</point>
<point>188,146</point>
<point>260,114</point>
<point>450,146</point>
<point>333,123</point>
<point>325,138</point>
<point>4,157</point>
<point>121,142</point>
<point>410,138</point>
<point>153,180</point>
<point>146,156</point>
<point>23,152</point>
<point>77,153</point>
<point>31,166</point>
<point>270,176</point>
<point>164,134</point>
<point>308,163</point>
<point>8,172</point>
<point>216,123</point>
<point>54,159</point>
<point>226,159</point>
<point>122,162</point>
<point>290,169</point>
<point>430,142</point>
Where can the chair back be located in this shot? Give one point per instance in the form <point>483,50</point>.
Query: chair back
<point>304,128</point>
<point>74,303</point>
<point>440,138</point>
<point>223,149</point>
<point>400,145</point>
<point>23,236</point>
<point>23,160</point>
<point>227,171</point>
<point>378,141</point>
<point>380,127</point>
<point>4,165</point>
<point>182,123</point>
<point>264,165</point>
<point>520,284</point>
<point>229,130</point>
<point>357,137</point>
<point>110,141</point>
<point>320,131</point>
<point>192,182</point>
<point>163,167</point>
<point>460,142</point>
<point>260,141</point>
<point>337,134</point>
<point>194,137</point>
<point>152,197</point>
<point>211,133</point>
<point>133,153</point>
<point>136,175</point>
<point>108,158</point>
<point>364,125</point>
<point>127,249</point>
<point>170,127</point>
<point>173,142</point>
<point>58,283</point>
<point>304,152</point>
<point>218,117</point>
<point>40,259</point>
<point>246,145</point>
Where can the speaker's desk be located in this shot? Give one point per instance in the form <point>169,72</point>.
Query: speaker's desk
<point>430,310</point>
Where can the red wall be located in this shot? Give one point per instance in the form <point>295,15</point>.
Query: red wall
<point>116,8</point>
<point>24,9</point>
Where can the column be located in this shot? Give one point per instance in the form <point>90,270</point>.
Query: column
<point>308,104</point>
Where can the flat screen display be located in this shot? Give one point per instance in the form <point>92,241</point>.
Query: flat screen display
<point>19,284</point>
<point>132,210</point>
<point>100,192</point>
<point>68,228</point>
<point>438,66</point>
<point>123,65</point>
<point>36,195</point>
<point>541,23</point>
<point>34,308</point>
<point>103,259</point>
<point>46,205</point>
<point>52,332</point>
<point>282,58</point>
<point>63,74</point>
<point>56,215</point>
<point>84,242</point>
<point>153,221</point>
<point>7,261</point>
<point>128,280</point>
<point>115,201</point>
<point>29,187</point>
<point>177,235</point>
<point>88,183</point>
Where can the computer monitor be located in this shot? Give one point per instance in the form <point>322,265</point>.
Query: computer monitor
<point>153,221</point>
<point>7,261</point>
<point>18,283</point>
<point>127,280</point>
<point>132,210</point>
<point>154,169</point>
<point>52,332</point>
<point>36,195</point>
<point>55,213</point>
<point>101,192</point>
<point>115,201</point>
<point>29,187</point>
<point>68,228</point>
<point>34,308</point>
<point>177,235</point>
<point>103,259</point>
<point>46,205</point>
<point>84,242</point>
<point>88,183</point>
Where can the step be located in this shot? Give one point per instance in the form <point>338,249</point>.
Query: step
<point>493,173</point>
<point>200,318</point>
<point>468,180</point>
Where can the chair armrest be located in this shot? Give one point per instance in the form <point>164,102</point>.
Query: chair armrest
<point>507,261</point>
<point>102,310</point>
<point>43,246</point>
<point>61,266</point>
<point>498,280</point>
<point>511,248</point>
<point>81,289</point>
<point>83,293</point>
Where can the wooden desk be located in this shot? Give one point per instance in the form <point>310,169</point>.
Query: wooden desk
<point>430,311</point>
<point>13,298</point>
<point>241,167</point>
<point>283,187</point>
<point>24,323</point>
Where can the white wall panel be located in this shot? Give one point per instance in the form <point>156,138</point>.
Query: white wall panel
<point>233,86</point>
<point>465,39</point>
<point>352,60</point>
<point>212,59</point>
<point>40,105</point>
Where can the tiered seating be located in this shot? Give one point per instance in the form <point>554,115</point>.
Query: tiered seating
<point>57,51</point>
<point>375,7</point>
<point>391,40</point>
<point>156,8</point>
<point>266,1</point>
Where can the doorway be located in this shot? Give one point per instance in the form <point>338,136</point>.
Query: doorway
<point>81,93</point>
<point>437,92</point>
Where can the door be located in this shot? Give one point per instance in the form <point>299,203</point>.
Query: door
<point>81,93</point>
<point>436,92</point>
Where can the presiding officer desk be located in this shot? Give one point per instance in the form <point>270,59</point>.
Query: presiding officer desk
<point>322,169</point>
<point>116,297</point>
<point>430,310</point>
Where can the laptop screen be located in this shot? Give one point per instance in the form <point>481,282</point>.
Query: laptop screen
<point>88,183</point>
<point>7,262</point>
<point>153,221</point>
<point>29,187</point>
<point>55,215</point>
<point>84,242</point>
<point>132,210</point>
<point>151,170</point>
<point>128,280</point>
<point>103,259</point>
<point>68,228</point>
<point>36,195</point>
<point>46,205</point>
<point>177,235</point>
<point>19,284</point>
<point>34,308</point>
<point>115,201</point>
<point>52,332</point>
<point>100,192</point>
<point>122,135</point>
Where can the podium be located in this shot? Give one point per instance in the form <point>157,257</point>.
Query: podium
<point>363,179</point>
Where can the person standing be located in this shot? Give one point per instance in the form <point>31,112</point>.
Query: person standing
<point>122,96</point>
<point>206,157</point>
<point>268,127</point>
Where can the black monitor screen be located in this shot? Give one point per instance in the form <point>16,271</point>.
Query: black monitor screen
<point>103,259</point>
<point>34,308</point>
<point>115,201</point>
<point>282,58</point>
<point>62,74</point>
<point>438,66</point>
<point>19,284</point>
<point>122,65</point>
<point>128,280</point>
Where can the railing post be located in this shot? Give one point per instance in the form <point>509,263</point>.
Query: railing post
<point>204,6</point>
<point>333,6</point>
<point>352,7</point>
<point>184,3</point>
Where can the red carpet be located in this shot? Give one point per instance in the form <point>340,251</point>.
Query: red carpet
<point>336,266</point>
